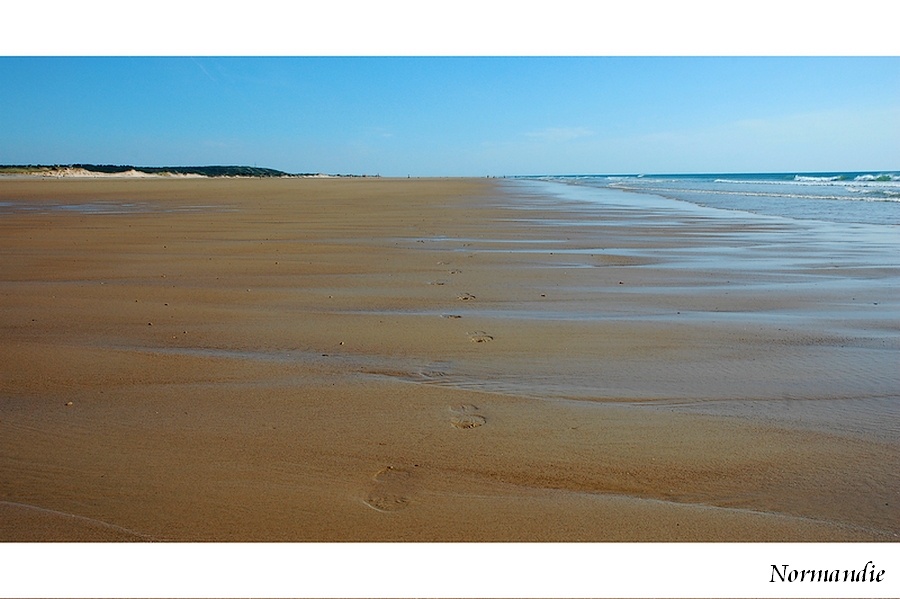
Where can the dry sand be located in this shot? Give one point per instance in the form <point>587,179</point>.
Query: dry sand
<point>431,360</point>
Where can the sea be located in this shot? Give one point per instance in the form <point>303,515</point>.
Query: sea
<point>868,197</point>
<point>830,238</point>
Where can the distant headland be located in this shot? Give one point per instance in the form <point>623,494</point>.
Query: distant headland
<point>117,170</point>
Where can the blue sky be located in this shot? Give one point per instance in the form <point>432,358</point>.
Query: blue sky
<point>463,116</point>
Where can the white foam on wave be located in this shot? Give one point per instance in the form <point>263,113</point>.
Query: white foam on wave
<point>765,182</point>
<point>882,178</point>
<point>860,184</point>
<point>886,195</point>
<point>889,192</point>
<point>818,179</point>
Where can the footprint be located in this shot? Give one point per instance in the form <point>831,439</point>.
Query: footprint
<point>432,374</point>
<point>438,283</point>
<point>392,490</point>
<point>465,297</point>
<point>480,337</point>
<point>435,371</point>
<point>466,416</point>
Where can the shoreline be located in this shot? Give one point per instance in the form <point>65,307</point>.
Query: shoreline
<point>371,359</point>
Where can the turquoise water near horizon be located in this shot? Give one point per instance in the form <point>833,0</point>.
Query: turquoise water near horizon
<point>864,197</point>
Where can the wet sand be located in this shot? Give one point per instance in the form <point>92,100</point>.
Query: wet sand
<point>436,360</point>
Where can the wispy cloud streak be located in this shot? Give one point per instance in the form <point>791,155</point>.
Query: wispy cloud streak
<point>560,134</point>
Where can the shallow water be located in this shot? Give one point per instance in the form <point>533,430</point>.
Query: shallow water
<point>766,310</point>
<point>851,197</point>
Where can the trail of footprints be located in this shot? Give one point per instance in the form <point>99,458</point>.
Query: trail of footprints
<point>475,336</point>
<point>393,488</point>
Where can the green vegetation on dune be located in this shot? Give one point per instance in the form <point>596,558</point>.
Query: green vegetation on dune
<point>111,169</point>
<point>28,169</point>
<point>207,171</point>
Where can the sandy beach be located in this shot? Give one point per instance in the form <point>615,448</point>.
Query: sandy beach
<point>368,359</point>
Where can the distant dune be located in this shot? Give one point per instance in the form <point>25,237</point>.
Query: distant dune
<point>110,170</point>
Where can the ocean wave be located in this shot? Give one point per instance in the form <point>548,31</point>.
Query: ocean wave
<point>877,195</point>
<point>820,179</point>
<point>759,181</point>
<point>879,178</point>
<point>883,197</point>
<point>889,181</point>
<point>892,192</point>
<point>880,193</point>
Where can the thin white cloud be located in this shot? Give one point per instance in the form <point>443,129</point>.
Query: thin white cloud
<point>816,141</point>
<point>382,132</point>
<point>560,134</point>
<point>202,68</point>
<point>832,140</point>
